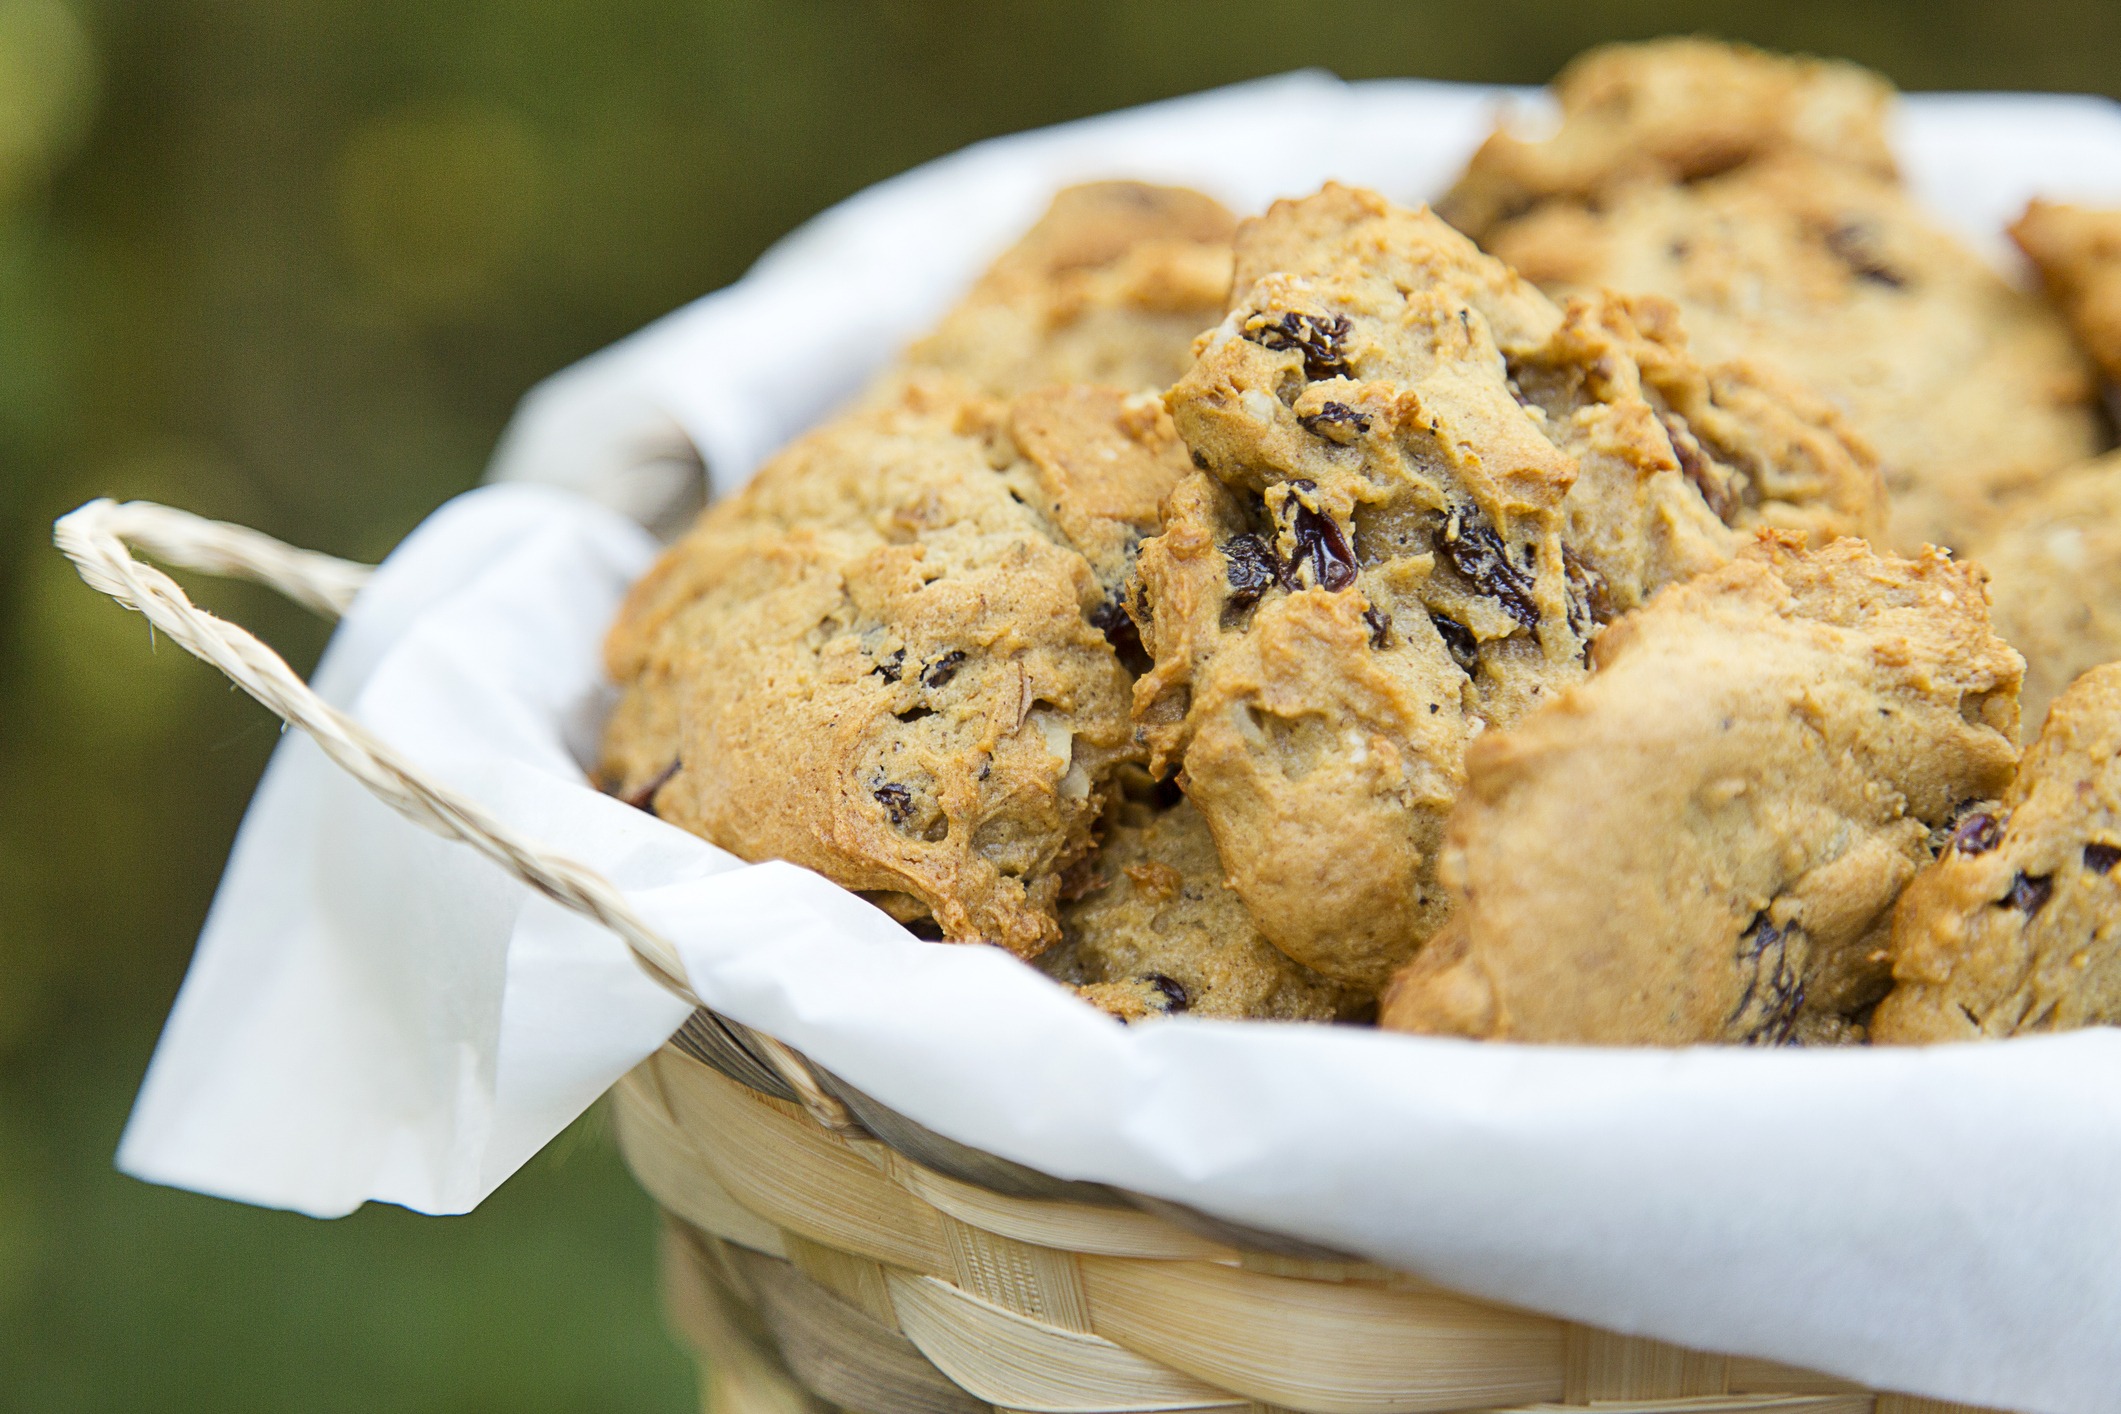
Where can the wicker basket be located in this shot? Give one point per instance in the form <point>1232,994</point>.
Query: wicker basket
<point>813,1259</point>
<point>822,1251</point>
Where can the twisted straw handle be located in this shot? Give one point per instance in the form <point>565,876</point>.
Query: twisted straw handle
<point>98,538</point>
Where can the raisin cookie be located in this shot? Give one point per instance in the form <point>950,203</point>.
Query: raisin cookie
<point>2055,565</point>
<point>1423,489</point>
<point>897,656</point>
<point>2017,926</point>
<point>1149,929</point>
<point>1676,110</point>
<point>1109,288</point>
<point>1702,841</point>
<point>2078,250</point>
<point>1813,262</point>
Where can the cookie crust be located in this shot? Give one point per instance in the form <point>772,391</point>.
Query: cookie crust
<point>1423,489</point>
<point>1803,257</point>
<point>2016,928</point>
<point>884,659</point>
<point>2078,252</point>
<point>1675,110</point>
<point>1109,288</point>
<point>1152,930</point>
<point>1701,842</point>
<point>2055,563</point>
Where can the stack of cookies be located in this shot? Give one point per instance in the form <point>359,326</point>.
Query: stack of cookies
<point>1557,617</point>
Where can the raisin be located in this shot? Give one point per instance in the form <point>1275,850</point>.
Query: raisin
<point>1336,422</point>
<point>1250,570</point>
<point>2030,893</point>
<point>1481,559</point>
<point>1590,600</point>
<point>1319,540</point>
<point>1317,336</point>
<point>1855,245</point>
<point>939,672</point>
<point>2101,858</point>
<point>1459,641</point>
<point>1175,998</point>
<point>1695,466</point>
<point>1978,833</point>
<point>896,800</point>
<point>644,797</point>
<point>888,668</point>
<point>1774,993</point>
<point>1380,626</point>
<point>1112,620</point>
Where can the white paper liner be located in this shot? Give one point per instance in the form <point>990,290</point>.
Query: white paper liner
<point>375,1013</point>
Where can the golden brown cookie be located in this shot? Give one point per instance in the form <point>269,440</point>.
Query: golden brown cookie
<point>2078,250</point>
<point>1109,288</point>
<point>1701,841</point>
<point>1423,488</point>
<point>888,659</point>
<point>2017,926</point>
<point>1152,930</point>
<point>1811,261</point>
<point>1675,110</point>
<point>2054,563</point>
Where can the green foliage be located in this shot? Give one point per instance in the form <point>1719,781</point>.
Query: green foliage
<point>292,264</point>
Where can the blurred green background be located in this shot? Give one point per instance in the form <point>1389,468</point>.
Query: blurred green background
<point>291,264</point>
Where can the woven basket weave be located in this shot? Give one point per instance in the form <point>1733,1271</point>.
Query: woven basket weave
<point>811,1264</point>
<point>822,1251</point>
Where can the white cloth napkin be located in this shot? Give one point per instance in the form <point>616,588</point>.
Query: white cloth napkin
<point>375,1013</point>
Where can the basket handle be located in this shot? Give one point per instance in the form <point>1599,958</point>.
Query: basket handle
<point>99,538</point>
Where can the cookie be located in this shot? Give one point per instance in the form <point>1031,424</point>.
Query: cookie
<point>1701,842</point>
<point>2055,566</point>
<point>1823,269</point>
<point>897,657</point>
<point>1151,930</point>
<point>1675,110</point>
<point>2017,926</point>
<point>2078,251</point>
<point>1109,288</point>
<point>1423,489</point>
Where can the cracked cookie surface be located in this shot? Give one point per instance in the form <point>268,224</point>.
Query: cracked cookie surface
<point>899,656</point>
<point>1803,256</point>
<point>1153,931</point>
<point>895,657</point>
<point>1423,488</point>
<point>1701,841</point>
<point>1109,288</point>
<point>2016,927</point>
<point>1675,110</point>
